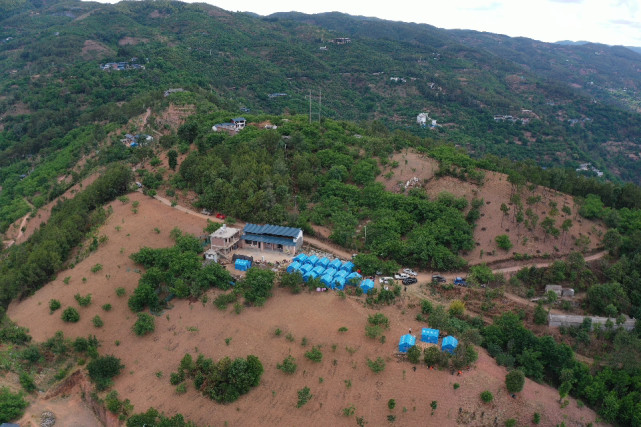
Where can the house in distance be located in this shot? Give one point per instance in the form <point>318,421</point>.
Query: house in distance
<point>275,238</point>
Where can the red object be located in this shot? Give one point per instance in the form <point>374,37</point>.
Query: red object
<point>220,216</point>
<point>358,271</point>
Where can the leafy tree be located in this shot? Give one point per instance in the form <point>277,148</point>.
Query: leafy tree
<point>70,315</point>
<point>144,325</point>
<point>288,366</point>
<point>103,369</point>
<point>315,354</point>
<point>304,396</point>
<point>414,354</point>
<point>377,365</point>
<point>487,396</point>
<point>503,242</point>
<point>12,405</point>
<point>514,381</point>
<point>540,315</point>
<point>172,158</point>
<point>257,285</point>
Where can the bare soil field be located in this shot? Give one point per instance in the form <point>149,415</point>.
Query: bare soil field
<point>342,378</point>
<point>419,170</point>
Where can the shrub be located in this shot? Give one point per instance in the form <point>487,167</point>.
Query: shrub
<point>12,405</point>
<point>540,315</point>
<point>97,321</point>
<point>349,411</point>
<point>373,331</point>
<point>503,242</point>
<point>377,365</point>
<point>83,301</point>
<point>510,423</point>
<point>456,386</point>
<point>514,381</point>
<point>96,268</point>
<point>304,395</point>
<point>414,354</point>
<point>144,325</point>
<point>103,369</point>
<point>120,292</point>
<point>181,388</point>
<point>27,382</point>
<point>487,396</point>
<point>31,354</point>
<point>457,308</point>
<point>315,355</point>
<point>342,329</point>
<point>391,404</point>
<point>70,315</point>
<point>54,305</point>
<point>426,306</point>
<point>378,319</point>
<point>176,378</point>
<point>288,366</point>
<point>536,418</point>
<point>106,307</point>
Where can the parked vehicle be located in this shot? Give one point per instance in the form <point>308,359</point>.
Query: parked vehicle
<point>401,276</point>
<point>220,216</point>
<point>410,280</point>
<point>459,281</point>
<point>205,212</point>
<point>410,272</point>
<point>438,278</point>
<point>388,280</point>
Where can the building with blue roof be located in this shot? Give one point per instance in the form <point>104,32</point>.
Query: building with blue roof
<point>430,335</point>
<point>275,238</point>
<point>449,344</point>
<point>407,341</point>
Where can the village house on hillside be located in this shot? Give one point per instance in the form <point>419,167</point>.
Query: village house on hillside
<point>223,241</point>
<point>272,238</point>
<point>235,125</point>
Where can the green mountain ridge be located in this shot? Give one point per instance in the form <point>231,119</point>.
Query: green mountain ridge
<point>568,105</point>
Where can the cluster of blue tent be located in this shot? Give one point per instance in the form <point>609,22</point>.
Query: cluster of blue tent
<point>428,335</point>
<point>242,264</point>
<point>334,274</point>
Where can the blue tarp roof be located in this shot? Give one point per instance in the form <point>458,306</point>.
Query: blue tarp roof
<point>323,261</point>
<point>269,239</point>
<point>348,266</point>
<point>336,263</point>
<point>273,230</point>
<point>306,267</point>
<point>300,258</point>
<point>430,335</point>
<point>406,342</point>
<point>449,343</point>
<point>341,273</point>
<point>330,271</point>
<point>327,279</point>
<point>312,260</point>
<point>293,266</point>
<point>367,285</point>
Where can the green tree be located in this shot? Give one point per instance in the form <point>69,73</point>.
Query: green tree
<point>257,285</point>
<point>103,369</point>
<point>12,405</point>
<point>70,315</point>
<point>540,315</point>
<point>172,159</point>
<point>144,325</point>
<point>514,381</point>
<point>414,354</point>
<point>503,242</point>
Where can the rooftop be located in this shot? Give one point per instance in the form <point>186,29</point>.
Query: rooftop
<point>274,230</point>
<point>224,232</point>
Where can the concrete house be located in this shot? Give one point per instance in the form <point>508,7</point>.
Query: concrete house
<point>223,241</point>
<point>272,238</point>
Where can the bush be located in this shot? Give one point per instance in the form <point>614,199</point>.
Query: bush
<point>304,395</point>
<point>12,405</point>
<point>457,308</point>
<point>503,242</point>
<point>378,319</point>
<point>288,366</point>
<point>514,381</point>
<point>414,354</point>
<point>315,355</point>
<point>373,331</point>
<point>70,315</point>
<point>391,404</point>
<point>176,378</point>
<point>103,369</point>
<point>54,305</point>
<point>426,306</point>
<point>487,396</point>
<point>120,292</point>
<point>27,382</point>
<point>97,321</point>
<point>106,307</point>
<point>540,315</point>
<point>83,301</point>
<point>31,354</point>
<point>144,325</point>
<point>377,365</point>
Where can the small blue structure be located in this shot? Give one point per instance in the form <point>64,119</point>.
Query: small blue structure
<point>338,283</point>
<point>348,266</point>
<point>300,258</point>
<point>328,280</point>
<point>319,270</point>
<point>312,260</point>
<point>353,277</point>
<point>449,344</point>
<point>294,266</point>
<point>341,273</point>
<point>430,335</point>
<point>330,271</point>
<point>335,264</point>
<point>242,264</point>
<point>407,341</point>
<point>367,285</point>
<point>323,262</point>
<point>306,268</point>
<point>310,275</point>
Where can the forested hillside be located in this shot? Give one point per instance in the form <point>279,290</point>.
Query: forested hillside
<point>57,104</point>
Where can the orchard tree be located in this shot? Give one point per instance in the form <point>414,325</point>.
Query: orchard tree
<point>514,381</point>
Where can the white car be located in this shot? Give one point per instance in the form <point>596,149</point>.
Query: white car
<point>401,276</point>
<point>388,280</point>
<point>410,272</point>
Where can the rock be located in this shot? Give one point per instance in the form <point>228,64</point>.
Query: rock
<point>47,419</point>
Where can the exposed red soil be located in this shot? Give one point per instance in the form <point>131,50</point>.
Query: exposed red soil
<point>196,327</point>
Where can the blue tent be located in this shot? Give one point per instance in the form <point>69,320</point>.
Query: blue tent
<point>312,260</point>
<point>300,258</point>
<point>306,268</point>
<point>310,275</point>
<point>430,335</point>
<point>341,273</point>
<point>323,262</point>
<point>293,267</point>
<point>367,285</point>
<point>330,271</point>
<point>319,270</point>
<point>449,344</point>
<point>348,266</point>
<point>242,264</point>
<point>338,283</point>
<point>407,341</point>
<point>328,280</point>
<point>335,264</point>
<point>352,276</point>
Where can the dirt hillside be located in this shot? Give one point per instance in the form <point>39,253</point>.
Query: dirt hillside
<point>342,378</point>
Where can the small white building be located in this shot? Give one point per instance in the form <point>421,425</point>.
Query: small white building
<point>422,118</point>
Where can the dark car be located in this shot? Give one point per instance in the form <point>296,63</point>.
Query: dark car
<point>438,278</point>
<point>410,280</point>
